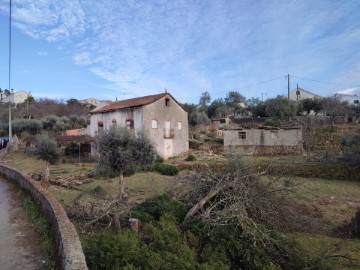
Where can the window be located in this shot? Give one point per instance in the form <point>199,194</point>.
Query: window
<point>168,131</point>
<point>154,124</point>
<point>242,134</point>
<point>167,102</point>
<point>222,121</point>
<point>100,127</point>
<point>130,124</point>
<point>356,101</point>
<point>179,124</point>
<point>274,134</point>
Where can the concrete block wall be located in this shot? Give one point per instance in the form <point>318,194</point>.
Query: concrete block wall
<point>69,252</point>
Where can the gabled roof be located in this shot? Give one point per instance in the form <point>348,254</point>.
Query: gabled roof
<point>303,90</point>
<point>130,103</point>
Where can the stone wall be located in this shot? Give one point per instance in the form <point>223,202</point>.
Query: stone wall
<point>262,150</point>
<point>69,252</point>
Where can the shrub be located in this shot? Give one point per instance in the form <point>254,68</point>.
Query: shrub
<point>158,207</point>
<point>190,157</point>
<point>273,122</point>
<point>108,251</point>
<point>159,159</point>
<point>166,169</point>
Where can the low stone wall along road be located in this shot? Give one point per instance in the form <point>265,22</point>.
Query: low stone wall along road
<point>20,245</point>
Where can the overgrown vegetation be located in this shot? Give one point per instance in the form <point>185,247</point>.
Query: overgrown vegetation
<point>166,242</point>
<point>41,225</point>
<point>166,169</point>
<point>190,157</point>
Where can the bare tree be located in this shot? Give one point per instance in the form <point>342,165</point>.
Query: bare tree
<point>242,197</point>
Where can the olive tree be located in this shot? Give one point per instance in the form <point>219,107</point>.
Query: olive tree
<point>122,151</point>
<point>47,150</point>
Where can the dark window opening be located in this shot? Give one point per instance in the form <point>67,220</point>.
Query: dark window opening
<point>356,101</point>
<point>130,123</point>
<point>167,102</point>
<point>100,127</point>
<point>242,134</point>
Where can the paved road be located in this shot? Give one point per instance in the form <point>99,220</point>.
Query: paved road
<point>20,245</point>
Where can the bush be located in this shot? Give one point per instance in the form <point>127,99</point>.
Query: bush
<point>166,169</point>
<point>166,243</point>
<point>273,122</point>
<point>158,207</point>
<point>159,159</point>
<point>190,157</point>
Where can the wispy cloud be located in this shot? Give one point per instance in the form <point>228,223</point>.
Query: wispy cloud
<point>42,53</point>
<point>141,47</point>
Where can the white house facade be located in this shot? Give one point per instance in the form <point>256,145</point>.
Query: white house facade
<point>160,116</point>
<point>299,94</point>
<point>15,97</point>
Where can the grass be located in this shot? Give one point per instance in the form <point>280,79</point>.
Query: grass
<point>336,200</point>
<point>42,227</point>
<point>139,186</point>
<point>335,253</point>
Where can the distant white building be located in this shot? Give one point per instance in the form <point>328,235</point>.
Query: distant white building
<point>15,97</point>
<point>351,96</point>
<point>300,93</point>
<point>90,101</point>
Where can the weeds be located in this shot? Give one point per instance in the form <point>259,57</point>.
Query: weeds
<point>41,224</point>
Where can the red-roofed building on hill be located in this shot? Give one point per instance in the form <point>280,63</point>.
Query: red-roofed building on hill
<point>160,116</point>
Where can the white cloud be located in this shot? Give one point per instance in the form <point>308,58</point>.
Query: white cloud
<point>42,53</point>
<point>192,46</point>
<point>83,58</point>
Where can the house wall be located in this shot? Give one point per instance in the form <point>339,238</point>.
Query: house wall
<point>18,97</point>
<point>167,143</point>
<point>351,99</point>
<point>261,141</point>
<point>303,95</point>
<point>178,141</point>
<point>120,116</point>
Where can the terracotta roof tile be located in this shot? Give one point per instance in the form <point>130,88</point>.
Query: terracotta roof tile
<point>129,103</point>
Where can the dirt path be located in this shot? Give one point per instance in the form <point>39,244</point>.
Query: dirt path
<point>20,245</point>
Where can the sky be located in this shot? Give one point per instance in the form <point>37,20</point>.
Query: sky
<point>110,49</point>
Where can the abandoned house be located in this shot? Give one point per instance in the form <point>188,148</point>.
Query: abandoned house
<point>264,141</point>
<point>160,116</point>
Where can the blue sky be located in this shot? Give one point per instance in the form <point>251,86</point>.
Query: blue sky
<point>127,48</point>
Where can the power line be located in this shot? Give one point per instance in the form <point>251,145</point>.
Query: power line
<point>274,79</point>
<point>342,84</point>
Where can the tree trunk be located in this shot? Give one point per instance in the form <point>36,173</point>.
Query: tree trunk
<point>121,185</point>
<point>45,181</point>
<point>203,201</point>
<point>116,222</point>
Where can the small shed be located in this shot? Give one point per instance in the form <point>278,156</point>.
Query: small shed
<point>264,140</point>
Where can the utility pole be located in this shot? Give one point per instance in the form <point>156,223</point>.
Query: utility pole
<point>10,125</point>
<point>288,77</point>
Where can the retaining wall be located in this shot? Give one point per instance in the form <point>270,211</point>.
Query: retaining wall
<point>69,252</point>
